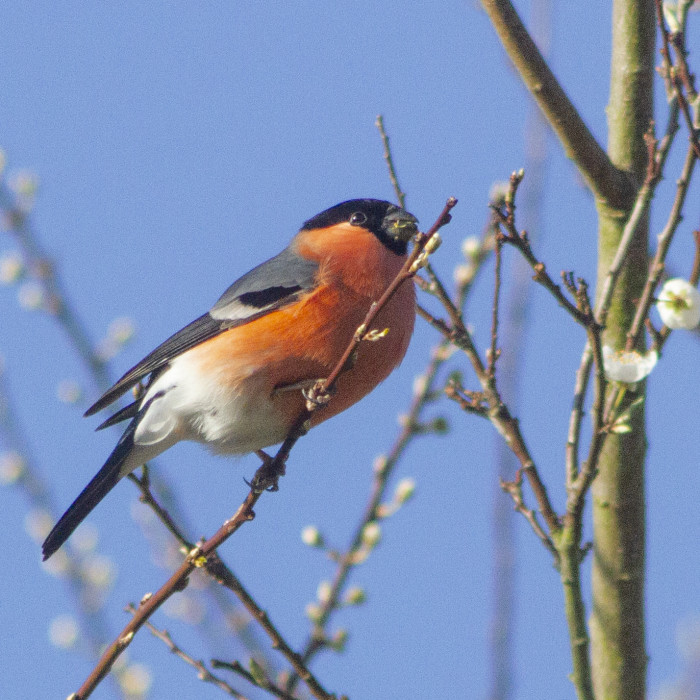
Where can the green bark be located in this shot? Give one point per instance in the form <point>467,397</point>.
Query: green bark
<point>617,623</point>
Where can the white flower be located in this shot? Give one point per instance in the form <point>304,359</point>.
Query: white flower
<point>323,594</point>
<point>679,304</point>
<point>405,490</point>
<point>136,680</point>
<point>627,366</point>
<point>63,631</point>
<point>311,536</point>
<point>11,268</point>
<point>12,466</point>
<point>371,534</point>
<point>470,247</point>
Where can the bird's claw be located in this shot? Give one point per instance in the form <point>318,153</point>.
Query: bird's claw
<point>267,476</point>
<point>317,396</point>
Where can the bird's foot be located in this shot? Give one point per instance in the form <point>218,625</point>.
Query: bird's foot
<point>268,474</point>
<point>317,396</point>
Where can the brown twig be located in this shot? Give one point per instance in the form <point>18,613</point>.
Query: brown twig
<point>256,679</point>
<point>388,158</point>
<point>497,412</point>
<point>493,349</point>
<point>222,574</point>
<point>147,497</point>
<point>515,490</point>
<point>203,673</point>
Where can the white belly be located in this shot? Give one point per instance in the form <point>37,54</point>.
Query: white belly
<point>187,405</point>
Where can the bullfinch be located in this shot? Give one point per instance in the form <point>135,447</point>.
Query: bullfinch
<point>233,378</point>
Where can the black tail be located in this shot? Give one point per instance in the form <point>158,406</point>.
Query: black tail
<point>103,482</point>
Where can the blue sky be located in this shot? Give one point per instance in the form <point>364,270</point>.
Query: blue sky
<point>178,146</point>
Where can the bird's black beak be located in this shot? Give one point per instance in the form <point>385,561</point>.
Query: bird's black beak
<point>400,225</point>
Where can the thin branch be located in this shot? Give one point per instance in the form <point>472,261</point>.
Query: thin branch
<point>262,682</point>
<point>664,242</point>
<point>493,349</point>
<point>227,578</point>
<point>203,673</point>
<point>515,490</point>
<point>498,412</point>
<point>400,194</point>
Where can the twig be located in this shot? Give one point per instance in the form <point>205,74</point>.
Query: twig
<point>498,412</point>
<point>400,194</point>
<point>147,497</point>
<point>232,582</point>
<point>664,242</point>
<point>493,349</point>
<point>515,490</point>
<point>203,673</point>
<point>262,682</point>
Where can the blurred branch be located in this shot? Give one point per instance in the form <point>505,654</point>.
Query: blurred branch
<point>256,678</point>
<point>71,567</point>
<point>56,302</point>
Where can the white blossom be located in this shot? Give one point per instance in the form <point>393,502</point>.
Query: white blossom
<point>628,366</point>
<point>679,304</point>
<point>136,680</point>
<point>311,536</point>
<point>63,631</point>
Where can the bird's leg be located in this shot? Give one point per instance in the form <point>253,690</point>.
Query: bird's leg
<point>302,385</point>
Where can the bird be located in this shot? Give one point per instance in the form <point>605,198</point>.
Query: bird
<point>232,379</point>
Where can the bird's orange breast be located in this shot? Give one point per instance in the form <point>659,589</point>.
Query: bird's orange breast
<point>305,340</point>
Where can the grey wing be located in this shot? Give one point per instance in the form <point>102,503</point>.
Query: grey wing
<point>269,286</point>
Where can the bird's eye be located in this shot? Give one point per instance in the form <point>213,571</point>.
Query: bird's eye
<point>358,218</point>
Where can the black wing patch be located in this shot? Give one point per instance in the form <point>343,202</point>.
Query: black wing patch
<point>270,286</point>
<point>266,297</point>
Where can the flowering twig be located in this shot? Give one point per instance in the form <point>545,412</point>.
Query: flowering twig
<point>663,244</point>
<point>385,467</point>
